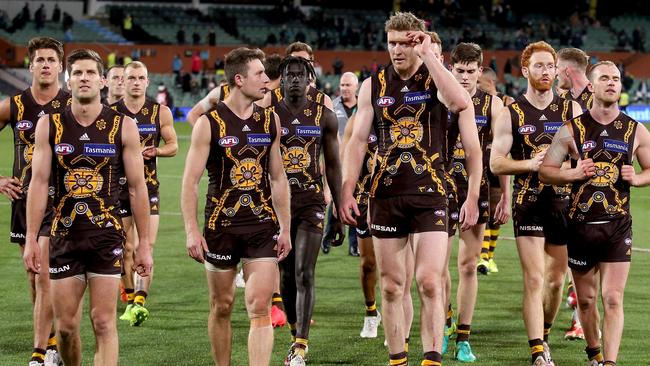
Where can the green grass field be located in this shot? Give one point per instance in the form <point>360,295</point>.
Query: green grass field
<point>176,333</point>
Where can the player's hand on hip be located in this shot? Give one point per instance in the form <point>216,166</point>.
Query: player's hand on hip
<point>196,246</point>
<point>10,187</point>
<point>283,245</point>
<point>32,256</point>
<point>468,214</point>
<point>629,175</point>
<point>348,210</point>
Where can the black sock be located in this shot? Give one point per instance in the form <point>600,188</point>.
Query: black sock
<point>536,348</point>
<point>38,355</point>
<point>547,331</point>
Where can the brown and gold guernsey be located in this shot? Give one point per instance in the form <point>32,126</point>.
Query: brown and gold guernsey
<point>86,166</point>
<point>301,143</point>
<point>482,102</point>
<point>148,121</point>
<point>362,188</point>
<point>24,114</point>
<point>410,135</point>
<point>503,97</point>
<point>224,92</point>
<point>313,95</point>
<point>452,134</point>
<point>606,196</point>
<point>239,191</point>
<point>532,131</point>
<point>585,99</point>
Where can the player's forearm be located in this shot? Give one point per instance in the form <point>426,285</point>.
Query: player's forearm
<point>354,152</point>
<point>167,150</point>
<point>504,182</point>
<point>451,91</point>
<point>139,199</point>
<point>503,165</point>
<point>194,115</point>
<point>333,176</point>
<point>642,179</point>
<point>189,205</point>
<point>474,158</point>
<point>556,175</point>
<point>36,203</point>
<point>281,202</point>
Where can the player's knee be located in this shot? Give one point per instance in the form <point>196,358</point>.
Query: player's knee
<point>612,299</point>
<point>103,324</point>
<point>465,269</point>
<point>533,282</point>
<point>368,266</point>
<point>305,278</point>
<point>392,290</point>
<point>430,288</point>
<point>67,327</point>
<point>586,301</point>
<point>258,307</point>
<point>221,306</point>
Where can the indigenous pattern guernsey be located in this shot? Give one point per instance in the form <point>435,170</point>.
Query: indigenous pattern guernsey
<point>239,191</point>
<point>606,196</point>
<point>24,114</point>
<point>301,143</point>
<point>85,167</point>
<point>532,132</point>
<point>148,120</point>
<point>410,135</point>
<point>363,185</point>
<point>313,94</point>
<point>482,102</point>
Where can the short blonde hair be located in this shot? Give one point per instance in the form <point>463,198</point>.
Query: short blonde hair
<point>540,46</point>
<point>435,38</point>
<point>592,69</point>
<point>404,21</point>
<point>135,65</point>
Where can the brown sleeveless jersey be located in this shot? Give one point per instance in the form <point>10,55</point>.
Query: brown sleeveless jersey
<point>585,99</point>
<point>503,97</point>
<point>410,135</point>
<point>532,131</point>
<point>363,185</point>
<point>606,196</point>
<point>239,191</point>
<point>224,92</point>
<point>452,133</point>
<point>24,114</point>
<point>86,162</point>
<point>313,94</point>
<point>148,121</point>
<point>482,102</point>
<point>301,142</point>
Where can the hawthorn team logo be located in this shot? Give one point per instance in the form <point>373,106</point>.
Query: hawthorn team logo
<point>296,159</point>
<point>407,132</point>
<point>83,182</point>
<point>606,174</point>
<point>246,175</point>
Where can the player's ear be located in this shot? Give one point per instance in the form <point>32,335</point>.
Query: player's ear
<point>590,87</point>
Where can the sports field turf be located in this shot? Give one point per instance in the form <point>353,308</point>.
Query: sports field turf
<point>176,332</point>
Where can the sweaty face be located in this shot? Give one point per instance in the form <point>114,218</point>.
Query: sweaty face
<point>136,81</point>
<point>85,81</point>
<point>467,74</point>
<point>253,84</point>
<point>46,66</point>
<point>401,51</point>
<point>540,72</point>
<point>115,82</point>
<point>295,80</point>
<point>606,84</point>
<point>563,80</point>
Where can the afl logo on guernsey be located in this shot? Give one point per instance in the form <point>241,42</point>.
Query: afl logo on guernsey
<point>588,145</point>
<point>385,101</point>
<point>372,138</point>
<point>63,149</point>
<point>228,141</point>
<point>527,129</point>
<point>284,131</point>
<point>24,125</point>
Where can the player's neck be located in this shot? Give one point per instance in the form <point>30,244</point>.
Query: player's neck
<point>44,93</point>
<point>239,104</point>
<point>86,113</point>
<point>472,91</point>
<point>111,99</point>
<point>296,103</point>
<point>578,85</point>
<point>604,113</point>
<point>539,99</point>
<point>134,104</point>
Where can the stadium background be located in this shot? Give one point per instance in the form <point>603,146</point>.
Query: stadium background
<point>346,36</point>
